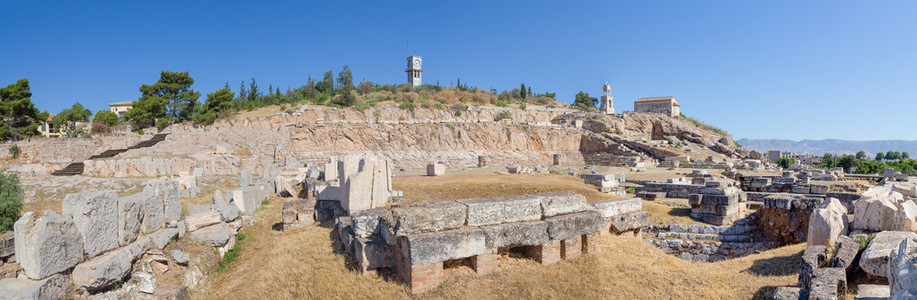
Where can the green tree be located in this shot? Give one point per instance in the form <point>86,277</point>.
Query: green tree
<point>861,155</point>
<point>326,86</point>
<point>904,155</point>
<point>69,116</point>
<point>105,117</point>
<point>847,162</point>
<point>891,155</point>
<point>583,101</point>
<point>880,156</point>
<point>522,91</point>
<point>19,116</point>
<point>217,102</point>
<point>785,162</point>
<point>15,151</point>
<point>10,200</point>
<point>253,92</point>
<point>171,96</point>
<point>345,77</point>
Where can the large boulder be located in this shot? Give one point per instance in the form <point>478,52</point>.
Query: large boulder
<point>47,245</point>
<point>167,192</point>
<point>153,217</point>
<point>827,222</point>
<point>874,259</point>
<point>95,215</point>
<point>906,218</point>
<point>54,287</point>
<point>902,270</point>
<point>215,235</point>
<point>130,215</point>
<point>202,219</point>
<point>100,272</point>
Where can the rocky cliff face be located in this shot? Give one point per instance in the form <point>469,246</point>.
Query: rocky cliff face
<point>414,138</point>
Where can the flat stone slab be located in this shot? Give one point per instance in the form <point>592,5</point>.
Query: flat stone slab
<point>614,207</point>
<point>872,292</point>
<point>531,233</point>
<point>426,217</point>
<point>630,221</point>
<point>54,287</point>
<point>490,211</point>
<point>365,223</point>
<point>102,271</point>
<point>426,248</point>
<point>561,203</point>
<point>573,225</point>
<point>874,259</point>
<point>214,235</point>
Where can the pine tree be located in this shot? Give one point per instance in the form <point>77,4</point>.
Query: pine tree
<point>522,91</point>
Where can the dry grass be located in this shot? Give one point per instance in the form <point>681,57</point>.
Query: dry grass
<point>305,263</point>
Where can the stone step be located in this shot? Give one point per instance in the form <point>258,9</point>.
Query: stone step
<point>737,229</point>
<point>706,236</point>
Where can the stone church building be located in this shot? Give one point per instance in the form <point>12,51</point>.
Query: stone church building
<point>660,105</point>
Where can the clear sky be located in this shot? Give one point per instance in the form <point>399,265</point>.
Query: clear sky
<point>759,69</point>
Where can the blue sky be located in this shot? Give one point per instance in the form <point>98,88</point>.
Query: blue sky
<point>759,69</point>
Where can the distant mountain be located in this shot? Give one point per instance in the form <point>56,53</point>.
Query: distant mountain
<point>831,146</point>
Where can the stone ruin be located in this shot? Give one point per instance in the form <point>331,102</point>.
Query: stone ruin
<point>606,183</point>
<point>718,203</point>
<point>416,240</point>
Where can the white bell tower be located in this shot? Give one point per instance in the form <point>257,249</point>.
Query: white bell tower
<point>414,70</point>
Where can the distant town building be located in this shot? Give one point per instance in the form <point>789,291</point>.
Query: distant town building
<point>414,70</point>
<point>46,130</point>
<point>659,105</point>
<point>119,108</point>
<point>773,155</point>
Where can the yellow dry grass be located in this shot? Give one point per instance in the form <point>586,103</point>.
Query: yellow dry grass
<point>306,263</point>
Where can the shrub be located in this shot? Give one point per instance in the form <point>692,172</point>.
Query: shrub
<point>550,106</point>
<point>407,106</point>
<point>504,115</point>
<point>320,99</point>
<point>10,200</point>
<point>522,105</point>
<point>15,151</point>
<point>501,103</point>
<point>100,128</point>
<point>364,105</point>
<point>206,118</point>
<point>290,111</point>
<point>162,123</point>
<point>439,106</point>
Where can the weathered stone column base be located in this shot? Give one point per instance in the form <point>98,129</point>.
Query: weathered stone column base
<point>485,263</point>
<point>546,254</point>
<point>571,248</point>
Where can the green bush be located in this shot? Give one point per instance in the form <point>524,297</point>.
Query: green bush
<point>439,106</point>
<point>501,103</point>
<point>407,106</point>
<point>504,115</point>
<point>290,111</point>
<point>206,118</point>
<point>364,105</point>
<point>522,105</point>
<point>10,200</point>
<point>15,151</point>
<point>162,123</point>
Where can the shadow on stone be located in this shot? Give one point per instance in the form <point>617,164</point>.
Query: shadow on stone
<point>776,266</point>
<point>680,212</point>
<point>765,292</point>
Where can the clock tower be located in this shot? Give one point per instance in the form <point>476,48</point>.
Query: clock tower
<point>414,69</point>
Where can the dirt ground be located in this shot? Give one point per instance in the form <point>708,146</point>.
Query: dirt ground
<point>306,262</point>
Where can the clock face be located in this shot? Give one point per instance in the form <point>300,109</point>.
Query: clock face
<point>417,63</point>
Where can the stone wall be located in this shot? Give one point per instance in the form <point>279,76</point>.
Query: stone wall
<point>708,243</point>
<point>660,107</point>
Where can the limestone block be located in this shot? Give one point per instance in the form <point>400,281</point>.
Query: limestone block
<point>574,225</point>
<point>245,177</point>
<point>382,186</point>
<point>54,287</point>
<point>845,252</point>
<point>146,282</point>
<point>874,259</point>
<point>231,243</point>
<point>828,283</point>
<point>167,192</point>
<point>331,168</point>
<point>358,191</point>
<point>631,221</point>
<point>902,270</point>
<point>329,193</point>
<point>422,217</point>
<point>787,293</point>
<point>46,245</point>
<point>372,254</point>
<point>214,235</point>
<point>228,212</point>
<point>559,203</point>
<point>874,214</point>
<point>153,216</point>
<point>95,215</point>
<point>827,222</point>
<point>247,200</point>
<point>365,223</point>
<point>906,217</point>
<point>100,272</point>
<point>130,215</point>
<point>218,198</point>
<point>7,246</point>
<point>436,169</point>
<point>614,207</point>
<point>872,292</point>
<point>531,233</point>
<point>491,211</point>
<point>348,165</point>
<point>162,237</point>
<point>426,248</point>
<point>202,219</point>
